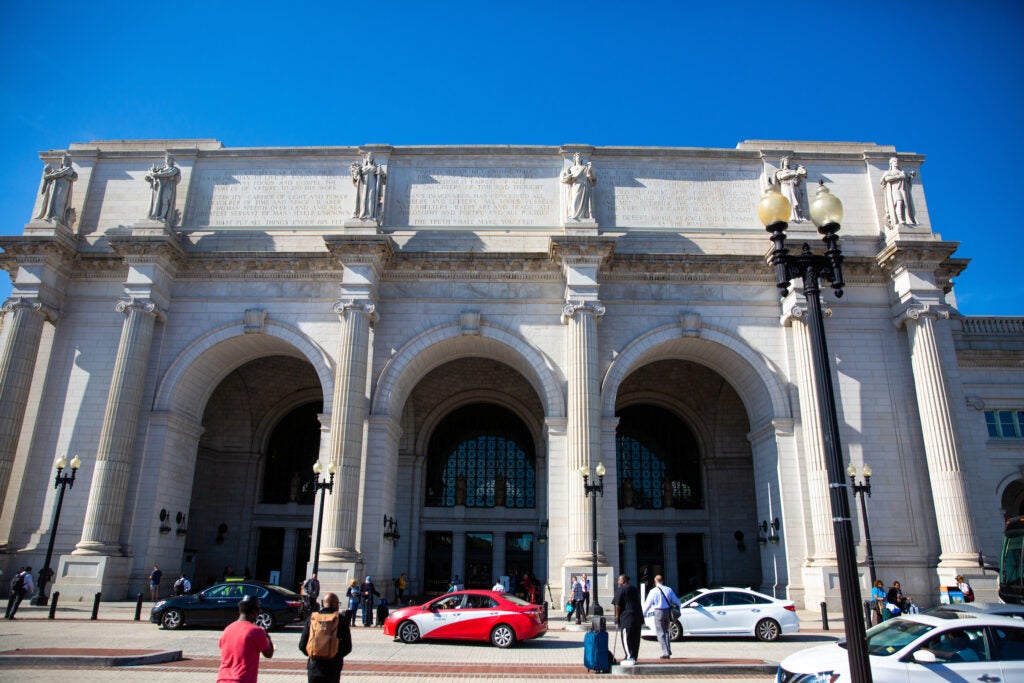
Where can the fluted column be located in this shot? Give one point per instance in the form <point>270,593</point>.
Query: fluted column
<point>23,328</point>
<point>105,510</point>
<point>348,411</point>
<point>823,549</point>
<point>583,424</point>
<point>952,515</point>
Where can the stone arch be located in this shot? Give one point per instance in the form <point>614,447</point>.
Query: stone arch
<point>445,343</point>
<point>754,377</point>
<point>443,408</point>
<point>199,368</point>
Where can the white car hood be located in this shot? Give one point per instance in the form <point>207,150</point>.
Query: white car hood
<point>823,658</point>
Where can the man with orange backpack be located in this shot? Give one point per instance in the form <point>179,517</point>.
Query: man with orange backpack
<point>326,640</point>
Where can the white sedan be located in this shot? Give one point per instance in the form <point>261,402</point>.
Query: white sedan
<point>916,648</point>
<point>730,612</point>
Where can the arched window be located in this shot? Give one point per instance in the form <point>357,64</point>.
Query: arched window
<point>658,462</point>
<point>481,456</point>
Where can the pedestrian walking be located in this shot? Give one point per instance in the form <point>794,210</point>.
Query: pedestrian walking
<point>585,582</point>
<point>577,598</point>
<point>21,585</point>
<point>629,616</point>
<point>154,583</point>
<point>326,658</point>
<point>242,643</point>
<point>661,599</point>
<point>400,583</point>
<point>182,586</point>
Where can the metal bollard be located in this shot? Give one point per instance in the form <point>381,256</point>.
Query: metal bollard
<point>824,617</point>
<point>53,604</point>
<point>96,606</point>
<point>138,607</point>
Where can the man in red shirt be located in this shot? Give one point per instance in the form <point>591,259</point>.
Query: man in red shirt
<point>241,645</point>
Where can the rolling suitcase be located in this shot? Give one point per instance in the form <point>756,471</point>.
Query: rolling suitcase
<point>595,652</point>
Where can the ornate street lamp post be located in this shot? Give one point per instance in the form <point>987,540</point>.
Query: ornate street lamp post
<point>592,491</point>
<point>324,487</point>
<point>860,490</point>
<point>61,481</point>
<point>826,211</point>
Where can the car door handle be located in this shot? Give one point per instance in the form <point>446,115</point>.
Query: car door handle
<point>756,611</point>
<point>989,679</point>
<point>721,612</point>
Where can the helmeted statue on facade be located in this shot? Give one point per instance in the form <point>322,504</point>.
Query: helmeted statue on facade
<point>370,180</point>
<point>790,182</point>
<point>164,183</point>
<point>57,186</point>
<point>899,209</point>
<point>580,180</point>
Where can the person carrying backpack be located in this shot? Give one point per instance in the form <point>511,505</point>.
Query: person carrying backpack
<point>326,639</point>
<point>311,589</point>
<point>21,585</point>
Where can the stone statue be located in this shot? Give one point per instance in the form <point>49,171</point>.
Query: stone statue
<point>370,180</point>
<point>579,204</point>
<point>164,183</point>
<point>899,210</point>
<point>57,185</point>
<point>791,184</point>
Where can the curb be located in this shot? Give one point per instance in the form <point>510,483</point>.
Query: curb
<point>55,659</point>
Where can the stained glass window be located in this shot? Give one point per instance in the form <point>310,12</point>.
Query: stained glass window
<point>481,456</point>
<point>658,462</point>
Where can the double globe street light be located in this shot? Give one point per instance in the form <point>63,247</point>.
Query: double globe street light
<point>826,211</point>
<point>324,487</point>
<point>591,491</point>
<point>61,481</point>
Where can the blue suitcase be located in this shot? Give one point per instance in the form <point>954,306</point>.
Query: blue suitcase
<point>595,652</point>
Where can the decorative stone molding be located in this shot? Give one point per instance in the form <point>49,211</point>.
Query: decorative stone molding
<point>32,305</point>
<point>366,308</point>
<point>470,323</point>
<point>690,324</point>
<point>375,250</point>
<point>975,402</point>
<point>581,251</point>
<point>570,309</point>
<point>144,306</point>
<point>254,320</point>
<point>917,311</point>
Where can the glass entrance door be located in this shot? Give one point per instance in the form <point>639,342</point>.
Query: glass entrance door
<point>479,558</point>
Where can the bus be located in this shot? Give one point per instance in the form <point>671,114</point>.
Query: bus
<point>1011,562</point>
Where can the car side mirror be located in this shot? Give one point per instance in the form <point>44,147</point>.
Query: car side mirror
<point>201,596</point>
<point>923,656</point>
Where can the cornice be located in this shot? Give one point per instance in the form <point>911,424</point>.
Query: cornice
<point>361,249</point>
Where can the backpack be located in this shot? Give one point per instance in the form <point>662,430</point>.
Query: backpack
<point>323,635</point>
<point>18,583</point>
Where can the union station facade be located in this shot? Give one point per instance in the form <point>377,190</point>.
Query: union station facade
<point>456,331</point>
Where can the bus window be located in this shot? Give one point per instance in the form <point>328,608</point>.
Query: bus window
<point>1011,563</point>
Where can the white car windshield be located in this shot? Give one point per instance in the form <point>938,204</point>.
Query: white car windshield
<point>890,637</point>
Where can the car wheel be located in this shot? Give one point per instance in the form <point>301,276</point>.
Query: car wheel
<point>675,631</point>
<point>408,632</point>
<point>172,620</point>
<point>265,620</point>
<point>767,630</point>
<point>502,635</point>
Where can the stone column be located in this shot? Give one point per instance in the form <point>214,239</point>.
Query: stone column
<point>952,514</point>
<point>584,425</point>
<point>105,510</point>
<point>348,410</point>
<point>22,330</point>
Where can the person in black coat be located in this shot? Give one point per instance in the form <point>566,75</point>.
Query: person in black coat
<point>328,670</point>
<point>629,615</point>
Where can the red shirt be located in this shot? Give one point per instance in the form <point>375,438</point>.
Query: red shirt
<point>240,648</point>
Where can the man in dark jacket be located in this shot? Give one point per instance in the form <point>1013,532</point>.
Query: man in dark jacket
<point>328,670</point>
<point>629,615</point>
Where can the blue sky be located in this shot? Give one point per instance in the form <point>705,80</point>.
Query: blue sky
<point>940,78</point>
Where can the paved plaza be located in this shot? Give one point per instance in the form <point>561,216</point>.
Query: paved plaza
<point>50,645</point>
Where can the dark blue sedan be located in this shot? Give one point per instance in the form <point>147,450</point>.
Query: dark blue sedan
<point>218,606</point>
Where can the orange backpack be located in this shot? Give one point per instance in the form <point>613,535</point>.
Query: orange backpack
<point>323,635</point>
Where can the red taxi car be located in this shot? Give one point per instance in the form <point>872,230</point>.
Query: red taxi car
<point>469,615</point>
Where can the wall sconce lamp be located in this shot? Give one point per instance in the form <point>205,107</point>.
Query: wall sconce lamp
<point>391,530</point>
<point>769,532</point>
<point>221,530</point>
<point>180,519</point>
<point>740,545</point>
<point>542,537</point>
<point>164,527</point>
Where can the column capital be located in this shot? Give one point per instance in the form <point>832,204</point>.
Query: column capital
<point>144,306</point>
<point>32,305</point>
<point>570,309</point>
<point>915,311</point>
<point>375,250</point>
<point>794,309</point>
<point>361,306</point>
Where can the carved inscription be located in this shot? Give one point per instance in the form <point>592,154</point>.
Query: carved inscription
<point>678,198</point>
<point>476,196</point>
<point>270,197</point>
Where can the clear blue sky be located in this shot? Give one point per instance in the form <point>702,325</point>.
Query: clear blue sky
<point>940,78</point>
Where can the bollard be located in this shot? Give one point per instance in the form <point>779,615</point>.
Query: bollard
<point>96,606</point>
<point>138,607</point>
<point>53,604</point>
<point>824,617</point>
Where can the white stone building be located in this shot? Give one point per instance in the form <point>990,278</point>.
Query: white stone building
<point>458,330</point>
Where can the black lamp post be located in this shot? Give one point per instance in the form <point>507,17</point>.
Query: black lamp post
<point>860,490</point>
<point>391,530</point>
<point>61,481</point>
<point>592,491</point>
<point>324,487</point>
<point>826,211</point>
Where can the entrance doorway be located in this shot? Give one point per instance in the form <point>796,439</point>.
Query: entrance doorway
<point>693,572</point>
